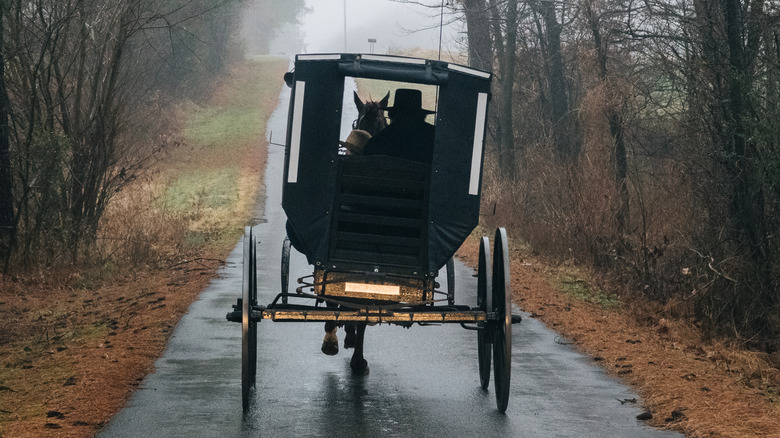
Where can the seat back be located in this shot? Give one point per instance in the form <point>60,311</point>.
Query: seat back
<point>380,213</point>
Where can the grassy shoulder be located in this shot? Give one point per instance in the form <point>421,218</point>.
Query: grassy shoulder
<point>75,344</point>
<point>214,177</point>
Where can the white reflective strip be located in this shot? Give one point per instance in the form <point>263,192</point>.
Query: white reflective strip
<point>372,288</point>
<point>397,59</point>
<point>476,152</point>
<point>328,57</point>
<point>469,71</point>
<point>295,138</point>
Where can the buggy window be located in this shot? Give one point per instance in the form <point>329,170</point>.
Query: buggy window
<point>375,90</point>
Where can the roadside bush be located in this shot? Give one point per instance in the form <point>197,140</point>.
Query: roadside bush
<point>679,248</point>
<point>137,232</point>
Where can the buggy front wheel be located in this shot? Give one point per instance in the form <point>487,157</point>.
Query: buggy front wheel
<point>502,307</point>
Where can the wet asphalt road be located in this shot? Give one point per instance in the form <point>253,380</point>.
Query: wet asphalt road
<point>423,381</point>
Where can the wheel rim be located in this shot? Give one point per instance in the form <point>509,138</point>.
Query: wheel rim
<point>484,335</point>
<point>502,306</point>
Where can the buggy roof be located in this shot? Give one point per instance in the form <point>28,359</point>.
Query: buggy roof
<point>394,68</point>
<point>313,130</point>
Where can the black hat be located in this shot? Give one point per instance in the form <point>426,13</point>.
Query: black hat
<point>407,101</point>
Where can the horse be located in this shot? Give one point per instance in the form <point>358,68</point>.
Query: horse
<point>371,118</point>
<point>371,114</point>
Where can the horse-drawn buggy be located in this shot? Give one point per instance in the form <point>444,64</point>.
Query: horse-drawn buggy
<point>379,220</point>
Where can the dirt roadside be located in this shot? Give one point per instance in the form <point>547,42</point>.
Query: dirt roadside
<point>71,384</point>
<point>702,390</point>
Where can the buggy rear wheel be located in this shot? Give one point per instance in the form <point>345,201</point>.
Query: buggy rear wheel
<point>285,268</point>
<point>484,334</point>
<point>502,306</point>
<point>248,327</point>
<point>451,281</point>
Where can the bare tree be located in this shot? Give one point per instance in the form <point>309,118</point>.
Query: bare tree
<point>613,110</point>
<point>729,40</point>
<point>7,234</point>
<point>549,33</point>
<point>680,99</point>
<point>504,21</point>
<point>6,202</point>
<point>478,33</point>
<point>84,79</point>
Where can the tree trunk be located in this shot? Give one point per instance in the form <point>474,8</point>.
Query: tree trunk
<point>563,125</point>
<point>623,214</point>
<point>616,128</point>
<point>478,33</point>
<point>6,199</point>
<point>729,43</point>
<point>748,198</point>
<point>507,77</point>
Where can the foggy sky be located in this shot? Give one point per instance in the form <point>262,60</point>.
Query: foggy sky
<point>390,23</point>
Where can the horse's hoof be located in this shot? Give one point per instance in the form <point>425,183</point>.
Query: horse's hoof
<point>330,348</point>
<point>349,340</point>
<point>359,366</point>
<point>330,344</point>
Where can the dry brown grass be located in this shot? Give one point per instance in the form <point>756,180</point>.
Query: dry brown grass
<point>137,232</point>
<point>721,390</point>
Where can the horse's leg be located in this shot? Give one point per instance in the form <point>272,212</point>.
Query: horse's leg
<point>349,339</point>
<point>358,363</point>
<point>330,344</point>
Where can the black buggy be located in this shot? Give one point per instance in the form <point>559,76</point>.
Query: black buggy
<point>377,229</point>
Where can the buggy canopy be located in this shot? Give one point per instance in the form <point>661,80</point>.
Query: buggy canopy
<point>312,153</point>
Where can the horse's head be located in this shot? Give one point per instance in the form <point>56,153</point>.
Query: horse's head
<point>371,115</point>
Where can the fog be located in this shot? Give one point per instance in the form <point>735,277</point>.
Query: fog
<point>394,26</point>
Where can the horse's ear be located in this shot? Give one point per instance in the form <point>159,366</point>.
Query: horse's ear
<point>358,102</point>
<point>385,100</point>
